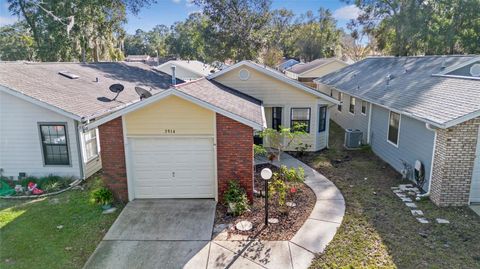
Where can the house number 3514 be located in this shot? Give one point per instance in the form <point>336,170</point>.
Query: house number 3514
<point>169,131</point>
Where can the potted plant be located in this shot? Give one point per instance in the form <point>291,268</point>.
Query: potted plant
<point>102,196</point>
<point>236,198</point>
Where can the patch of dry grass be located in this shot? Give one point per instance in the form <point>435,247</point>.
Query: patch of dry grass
<point>378,230</point>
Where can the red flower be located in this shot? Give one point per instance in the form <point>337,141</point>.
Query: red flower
<point>293,189</point>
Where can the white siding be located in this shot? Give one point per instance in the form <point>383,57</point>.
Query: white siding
<point>275,93</point>
<point>415,141</point>
<point>20,146</point>
<point>346,119</point>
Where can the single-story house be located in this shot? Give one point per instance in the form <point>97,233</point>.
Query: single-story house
<point>417,108</point>
<point>307,72</point>
<point>159,137</point>
<point>285,64</point>
<point>285,101</point>
<point>186,70</point>
<point>43,107</point>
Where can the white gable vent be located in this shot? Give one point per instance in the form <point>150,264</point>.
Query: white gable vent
<point>68,74</point>
<point>244,74</point>
<point>475,70</point>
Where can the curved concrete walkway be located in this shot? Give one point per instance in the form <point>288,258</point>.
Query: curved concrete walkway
<point>315,234</point>
<point>164,245</point>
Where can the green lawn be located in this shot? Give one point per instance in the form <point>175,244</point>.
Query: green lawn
<point>378,230</point>
<point>29,237</point>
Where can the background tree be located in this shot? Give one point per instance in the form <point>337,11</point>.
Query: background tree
<point>316,36</point>
<point>77,29</point>
<point>240,25</point>
<point>16,43</point>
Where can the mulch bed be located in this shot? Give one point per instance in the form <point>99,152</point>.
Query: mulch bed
<point>290,220</point>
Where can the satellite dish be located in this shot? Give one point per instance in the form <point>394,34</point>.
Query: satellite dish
<point>116,88</point>
<point>142,93</point>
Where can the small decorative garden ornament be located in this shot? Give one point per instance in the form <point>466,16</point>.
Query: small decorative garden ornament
<point>266,174</point>
<point>32,187</point>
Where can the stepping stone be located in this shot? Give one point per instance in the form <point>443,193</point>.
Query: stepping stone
<point>244,225</point>
<point>405,186</point>
<point>273,220</point>
<point>417,212</point>
<point>290,204</point>
<point>442,221</point>
<point>401,195</point>
<point>411,205</point>
<point>422,220</point>
<point>110,210</point>
<point>406,199</point>
<point>394,188</point>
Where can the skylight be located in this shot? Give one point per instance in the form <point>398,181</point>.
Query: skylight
<point>68,74</point>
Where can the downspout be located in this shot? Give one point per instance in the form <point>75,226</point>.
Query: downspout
<point>431,128</point>
<point>79,149</point>
<point>369,122</point>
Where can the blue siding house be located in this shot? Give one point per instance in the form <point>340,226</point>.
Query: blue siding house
<point>415,110</point>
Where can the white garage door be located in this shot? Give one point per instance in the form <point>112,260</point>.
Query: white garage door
<point>172,167</point>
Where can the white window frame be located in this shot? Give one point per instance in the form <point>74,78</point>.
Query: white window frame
<point>85,142</point>
<point>361,110</point>
<point>350,105</point>
<point>388,128</point>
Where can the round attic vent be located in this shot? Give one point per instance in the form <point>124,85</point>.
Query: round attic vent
<point>475,70</point>
<point>244,74</point>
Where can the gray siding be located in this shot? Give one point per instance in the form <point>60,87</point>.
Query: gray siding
<point>348,120</point>
<point>415,141</point>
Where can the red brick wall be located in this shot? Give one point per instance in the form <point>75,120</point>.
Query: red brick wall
<point>113,158</point>
<point>234,155</point>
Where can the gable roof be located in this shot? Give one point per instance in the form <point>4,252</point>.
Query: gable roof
<point>277,75</point>
<point>287,63</point>
<point>196,67</point>
<point>302,68</point>
<point>208,94</point>
<point>413,88</point>
<point>82,97</point>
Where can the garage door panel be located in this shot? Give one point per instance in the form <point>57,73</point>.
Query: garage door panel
<point>172,167</point>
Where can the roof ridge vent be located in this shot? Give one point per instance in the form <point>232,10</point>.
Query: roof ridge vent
<point>68,74</point>
<point>444,64</point>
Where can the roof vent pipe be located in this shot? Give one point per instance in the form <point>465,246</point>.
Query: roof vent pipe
<point>174,78</point>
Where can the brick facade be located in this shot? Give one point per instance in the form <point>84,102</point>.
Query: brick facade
<point>113,158</point>
<point>453,164</point>
<point>234,155</point>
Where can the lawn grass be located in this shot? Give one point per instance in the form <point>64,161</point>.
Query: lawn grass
<point>378,230</point>
<point>29,237</point>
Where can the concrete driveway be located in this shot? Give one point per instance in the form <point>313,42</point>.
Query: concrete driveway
<point>158,233</point>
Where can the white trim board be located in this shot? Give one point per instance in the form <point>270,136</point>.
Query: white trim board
<point>275,75</point>
<point>164,94</point>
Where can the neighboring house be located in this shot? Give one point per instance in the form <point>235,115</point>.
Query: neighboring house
<point>186,70</point>
<point>307,72</point>
<point>417,108</point>
<point>285,64</point>
<point>138,58</point>
<point>285,101</point>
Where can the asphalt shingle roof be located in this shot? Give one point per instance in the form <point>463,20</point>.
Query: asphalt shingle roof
<point>225,98</point>
<point>303,67</point>
<point>83,96</point>
<point>412,90</point>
